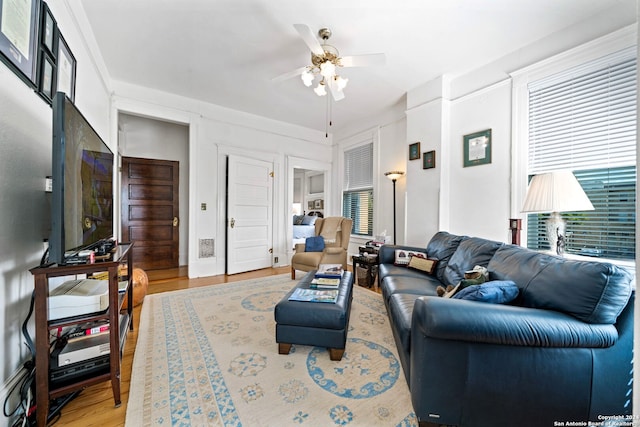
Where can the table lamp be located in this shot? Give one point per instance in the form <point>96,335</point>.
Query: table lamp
<point>556,192</point>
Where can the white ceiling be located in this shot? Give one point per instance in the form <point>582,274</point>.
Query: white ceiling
<point>227,51</point>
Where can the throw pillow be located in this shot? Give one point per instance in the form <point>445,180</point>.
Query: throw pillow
<point>403,255</point>
<point>297,219</point>
<point>423,264</point>
<point>309,220</point>
<point>314,244</point>
<point>497,292</point>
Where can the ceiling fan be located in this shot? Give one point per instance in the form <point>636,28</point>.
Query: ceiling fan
<point>325,61</point>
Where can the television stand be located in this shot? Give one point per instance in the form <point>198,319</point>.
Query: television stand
<point>119,316</point>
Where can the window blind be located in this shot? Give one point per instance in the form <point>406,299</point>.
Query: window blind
<point>584,120</point>
<point>358,168</point>
<point>357,196</point>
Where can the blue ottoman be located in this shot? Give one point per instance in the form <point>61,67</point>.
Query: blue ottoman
<point>315,323</point>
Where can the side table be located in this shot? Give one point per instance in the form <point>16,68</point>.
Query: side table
<point>368,262</point>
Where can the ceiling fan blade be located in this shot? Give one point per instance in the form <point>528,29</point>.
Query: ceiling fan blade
<point>310,40</point>
<point>363,60</point>
<point>288,75</point>
<point>333,88</point>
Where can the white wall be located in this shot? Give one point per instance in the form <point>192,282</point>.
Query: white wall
<point>214,133</point>
<point>479,200</point>
<point>156,139</point>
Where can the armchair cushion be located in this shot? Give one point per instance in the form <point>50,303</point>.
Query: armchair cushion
<point>314,244</point>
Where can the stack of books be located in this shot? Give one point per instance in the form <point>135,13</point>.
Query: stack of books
<point>327,276</point>
<point>314,295</point>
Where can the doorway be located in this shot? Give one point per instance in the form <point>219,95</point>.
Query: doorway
<point>149,138</point>
<point>309,191</point>
<point>308,200</point>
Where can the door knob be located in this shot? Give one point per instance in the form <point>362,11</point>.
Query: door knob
<point>176,221</point>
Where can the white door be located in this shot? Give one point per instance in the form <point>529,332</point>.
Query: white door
<point>249,214</point>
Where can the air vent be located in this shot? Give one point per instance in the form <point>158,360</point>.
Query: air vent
<point>207,248</point>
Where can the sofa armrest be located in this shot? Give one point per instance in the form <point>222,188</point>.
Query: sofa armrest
<point>472,321</point>
<point>387,253</point>
<point>299,247</point>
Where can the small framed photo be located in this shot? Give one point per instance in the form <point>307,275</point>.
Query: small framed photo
<point>311,205</point>
<point>47,81</point>
<point>429,159</point>
<point>477,148</point>
<point>66,70</point>
<point>414,151</point>
<point>318,204</point>
<point>48,30</point>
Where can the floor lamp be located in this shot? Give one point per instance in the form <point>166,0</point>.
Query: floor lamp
<point>394,176</point>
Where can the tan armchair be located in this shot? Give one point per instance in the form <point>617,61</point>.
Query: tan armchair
<point>336,232</point>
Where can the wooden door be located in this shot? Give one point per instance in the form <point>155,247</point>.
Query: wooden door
<point>249,214</point>
<point>150,214</point>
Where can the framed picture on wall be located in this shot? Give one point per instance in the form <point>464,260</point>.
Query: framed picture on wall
<point>66,70</point>
<point>477,148</point>
<point>414,151</point>
<point>48,30</point>
<point>47,81</point>
<point>429,160</point>
<point>19,38</point>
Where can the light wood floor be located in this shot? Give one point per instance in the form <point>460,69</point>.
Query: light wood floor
<point>94,406</point>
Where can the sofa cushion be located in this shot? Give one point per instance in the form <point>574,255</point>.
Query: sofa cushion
<point>420,263</point>
<point>593,292</point>
<point>441,246</point>
<point>496,292</point>
<point>416,284</point>
<point>471,252</point>
<point>403,256</point>
<point>400,313</point>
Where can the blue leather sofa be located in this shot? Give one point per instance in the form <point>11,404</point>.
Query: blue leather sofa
<point>560,352</point>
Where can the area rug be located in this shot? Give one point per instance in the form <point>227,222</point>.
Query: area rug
<point>208,357</point>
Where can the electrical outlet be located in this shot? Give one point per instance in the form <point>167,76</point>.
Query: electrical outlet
<point>275,260</point>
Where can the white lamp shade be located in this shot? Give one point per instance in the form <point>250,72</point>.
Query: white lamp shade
<point>556,192</point>
<point>327,69</point>
<point>341,82</point>
<point>394,175</point>
<point>307,78</point>
<point>320,90</point>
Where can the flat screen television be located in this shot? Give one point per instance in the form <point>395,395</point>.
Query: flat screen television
<point>82,191</point>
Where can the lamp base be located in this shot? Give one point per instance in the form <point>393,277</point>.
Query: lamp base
<point>556,232</point>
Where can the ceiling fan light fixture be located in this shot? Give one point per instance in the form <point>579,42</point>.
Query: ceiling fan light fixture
<point>328,69</point>
<point>307,78</point>
<point>341,82</point>
<point>320,90</point>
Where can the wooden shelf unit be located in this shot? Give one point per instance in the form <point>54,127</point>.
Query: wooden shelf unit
<point>44,393</point>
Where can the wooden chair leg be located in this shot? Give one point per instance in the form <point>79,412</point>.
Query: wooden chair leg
<point>293,273</point>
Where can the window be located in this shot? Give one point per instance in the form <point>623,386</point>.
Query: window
<point>357,195</point>
<point>585,120</point>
